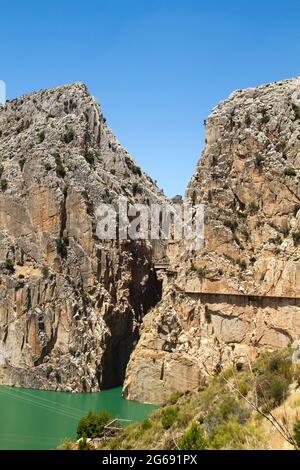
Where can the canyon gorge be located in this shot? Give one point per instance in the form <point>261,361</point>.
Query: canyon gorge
<point>78,313</point>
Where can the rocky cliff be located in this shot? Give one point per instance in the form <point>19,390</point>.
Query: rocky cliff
<point>70,304</point>
<point>240,294</point>
<point>73,306</point>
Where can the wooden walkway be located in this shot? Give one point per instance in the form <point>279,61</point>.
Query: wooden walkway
<point>162,266</point>
<point>115,426</point>
<point>243,299</point>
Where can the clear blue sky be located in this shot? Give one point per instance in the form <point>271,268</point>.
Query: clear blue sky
<point>157,67</point>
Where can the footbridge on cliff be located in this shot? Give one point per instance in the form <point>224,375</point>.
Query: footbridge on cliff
<point>165,267</point>
<point>258,300</point>
<point>115,426</point>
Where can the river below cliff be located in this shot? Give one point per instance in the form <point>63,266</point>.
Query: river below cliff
<point>36,419</point>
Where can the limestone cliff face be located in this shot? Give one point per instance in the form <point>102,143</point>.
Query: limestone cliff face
<point>240,294</point>
<point>70,304</point>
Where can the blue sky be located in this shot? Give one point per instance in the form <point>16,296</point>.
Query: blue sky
<point>157,67</point>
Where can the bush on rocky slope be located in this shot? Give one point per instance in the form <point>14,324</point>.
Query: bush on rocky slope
<point>92,425</point>
<point>221,416</point>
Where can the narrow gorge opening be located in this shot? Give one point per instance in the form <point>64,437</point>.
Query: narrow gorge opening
<point>125,332</point>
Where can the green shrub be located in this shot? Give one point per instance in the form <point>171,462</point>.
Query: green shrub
<point>279,362</point>
<point>60,169</point>
<point>83,444</point>
<point>41,137</point>
<point>258,161</point>
<point>289,172</point>
<point>232,435</point>
<point>242,264</point>
<point>241,215</point>
<point>45,271</point>
<point>136,169</point>
<point>253,207</point>
<point>265,118</point>
<point>243,387</point>
<point>296,237</point>
<point>238,242</point>
<point>296,434</point>
<point>89,156</point>
<point>9,265</point>
<point>246,234</point>
<point>3,184</point>
<point>84,297</point>
<point>296,110</point>
<point>231,224</point>
<point>274,375</point>
<point>146,424</point>
<point>136,187</point>
<point>132,166</point>
<point>65,190</point>
<point>174,397</point>
<point>168,417</point>
<point>92,425</point>
<point>193,439</point>
<point>1,170</point>
<point>22,162</point>
<point>200,270</point>
<point>272,390</point>
<point>61,247</point>
<point>224,409</point>
<point>69,136</point>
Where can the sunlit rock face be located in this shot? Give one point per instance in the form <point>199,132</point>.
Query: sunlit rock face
<point>239,295</point>
<point>70,303</point>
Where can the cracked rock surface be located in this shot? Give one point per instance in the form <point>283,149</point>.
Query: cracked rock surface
<point>70,303</point>
<point>240,294</point>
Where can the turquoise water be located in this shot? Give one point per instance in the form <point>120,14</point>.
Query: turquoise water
<point>36,419</point>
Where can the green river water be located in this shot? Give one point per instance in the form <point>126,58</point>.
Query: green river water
<point>36,419</point>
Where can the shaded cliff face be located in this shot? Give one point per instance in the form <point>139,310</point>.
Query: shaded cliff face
<point>70,304</point>
<point>240,293</point>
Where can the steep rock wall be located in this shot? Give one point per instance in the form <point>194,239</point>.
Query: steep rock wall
<point>70,303</point>
<point>248,178</point>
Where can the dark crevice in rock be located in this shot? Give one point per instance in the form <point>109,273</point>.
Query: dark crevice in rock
<point>47,348</point>
<point>63,216</point>
<point>124,332</point>
<point>162,371</point>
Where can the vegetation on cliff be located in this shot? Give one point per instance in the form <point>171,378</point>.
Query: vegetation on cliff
<point>92,425</point>
<point>251,408</point>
